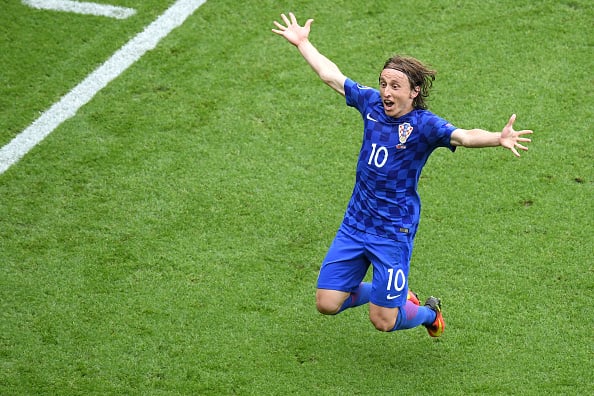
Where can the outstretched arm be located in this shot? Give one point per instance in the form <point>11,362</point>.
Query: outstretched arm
<point>477,138</point>
<point>299,37</point>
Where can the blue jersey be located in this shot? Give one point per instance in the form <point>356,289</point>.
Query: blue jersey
<point>385,201</point>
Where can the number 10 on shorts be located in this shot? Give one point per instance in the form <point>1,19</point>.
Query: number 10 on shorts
<point>397,280</point>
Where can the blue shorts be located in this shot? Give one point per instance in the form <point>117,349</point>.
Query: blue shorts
<point>348,260</point>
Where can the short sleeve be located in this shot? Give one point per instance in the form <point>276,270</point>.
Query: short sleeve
<point>359,96</point>
<point>440,131</point>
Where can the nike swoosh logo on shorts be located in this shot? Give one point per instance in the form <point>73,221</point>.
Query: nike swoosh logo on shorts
<point>391,297</point>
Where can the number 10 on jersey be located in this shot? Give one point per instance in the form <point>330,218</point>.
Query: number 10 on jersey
<point>376,154</point>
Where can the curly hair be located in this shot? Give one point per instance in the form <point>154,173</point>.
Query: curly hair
<point>419,75</point>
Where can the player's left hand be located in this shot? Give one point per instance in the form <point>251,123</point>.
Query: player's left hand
<point>511,139</point>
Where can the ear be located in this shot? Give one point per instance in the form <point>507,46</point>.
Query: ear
<point>415,92</point>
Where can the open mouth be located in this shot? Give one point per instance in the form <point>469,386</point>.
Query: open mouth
<point>388,104</point>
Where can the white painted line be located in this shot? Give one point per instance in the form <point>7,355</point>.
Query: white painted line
<point>86,90</point>
<point>82,8</point>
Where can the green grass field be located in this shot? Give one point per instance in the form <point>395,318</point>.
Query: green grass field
<point>166,239</point>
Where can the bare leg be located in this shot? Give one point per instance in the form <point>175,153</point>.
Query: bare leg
<point>329,302</point>
<point>384,319</point>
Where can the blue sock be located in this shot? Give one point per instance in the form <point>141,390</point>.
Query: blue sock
<point>358,297</point>
<point>411,315</point>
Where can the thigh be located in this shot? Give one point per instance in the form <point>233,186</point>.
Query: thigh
<point>390,260</point>
<point>345,264</point>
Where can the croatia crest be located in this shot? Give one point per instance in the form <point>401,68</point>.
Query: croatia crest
<point>404,131</point>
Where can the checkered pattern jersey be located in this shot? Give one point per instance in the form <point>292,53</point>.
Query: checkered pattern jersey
<point>385,201</point>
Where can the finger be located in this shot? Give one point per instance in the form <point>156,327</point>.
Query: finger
<point>513,150</point>
<point>511,121</point>
<point>525,132</point>
<point>293,19</point>
<point>308,23</point>
<point>285,19</point>
<point>278,25</point>
<point>521,147</point>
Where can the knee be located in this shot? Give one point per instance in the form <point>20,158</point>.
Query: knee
<point>382,322</point>
<point>382,325</point>
<point>328,302</point>
<point>327,307</point>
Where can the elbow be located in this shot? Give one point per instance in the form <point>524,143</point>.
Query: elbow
<point>327,77</point>
<point>459,138</point>
<point>334,80</point>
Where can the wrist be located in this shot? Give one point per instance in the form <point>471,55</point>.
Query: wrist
<point>499,139</point>
<point>303,44</point>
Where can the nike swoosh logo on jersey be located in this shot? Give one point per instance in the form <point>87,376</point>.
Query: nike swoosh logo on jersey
<point>391,297</point>
<point>370,118</point>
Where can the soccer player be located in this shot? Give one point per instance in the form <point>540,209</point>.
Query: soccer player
<point>381,219</point>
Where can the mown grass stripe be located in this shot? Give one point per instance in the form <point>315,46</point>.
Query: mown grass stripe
<point>86,8</point>
<point>69,104</point>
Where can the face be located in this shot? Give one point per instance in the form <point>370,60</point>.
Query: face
<point>396,93</point>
